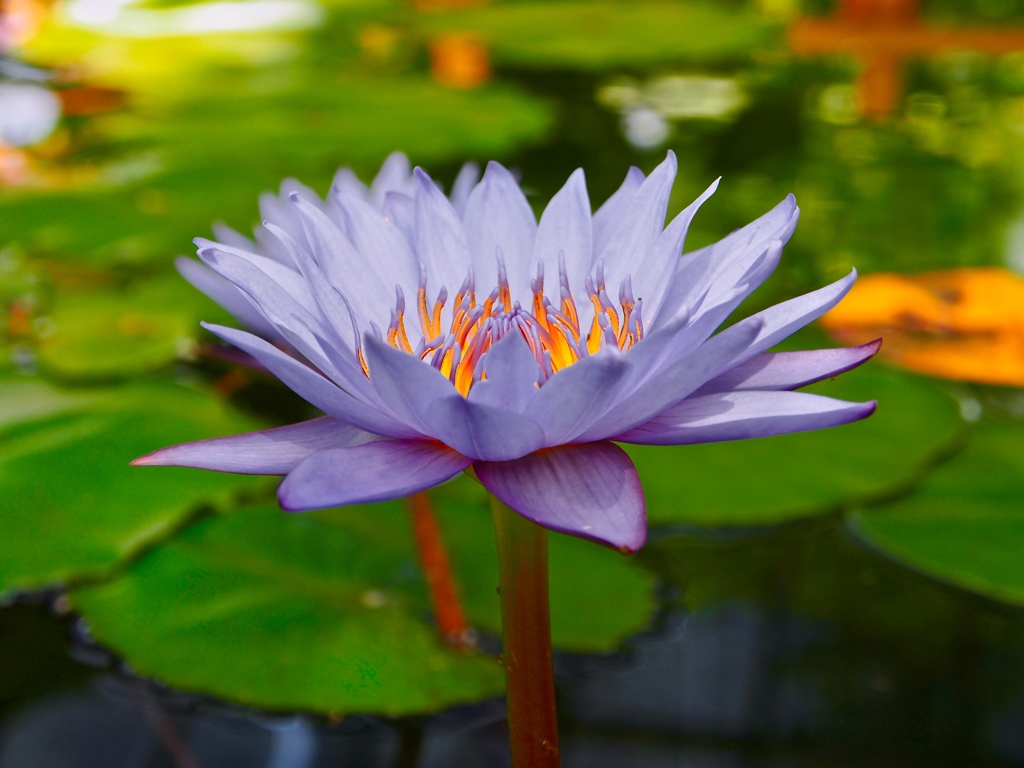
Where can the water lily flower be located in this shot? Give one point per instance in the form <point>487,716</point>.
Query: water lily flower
<point>442,334</point>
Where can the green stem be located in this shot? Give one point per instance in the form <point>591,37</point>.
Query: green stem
<point>526,639</point>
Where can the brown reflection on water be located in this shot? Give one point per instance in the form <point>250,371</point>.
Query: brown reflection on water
<point>882,35</point>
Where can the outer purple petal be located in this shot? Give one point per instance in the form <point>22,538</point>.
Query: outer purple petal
<point>377,471</point>
<point>742,415</point>
<point>422,397</point>
<point>267,452</point>
<point>379,243</point>
<point>312,387</point>
<point>653,274</point>
<point>677,379</point>
<point>395,175</point>
<point>498,217</point>
<point>610,216</point>
<point>224,292</point>
<point>589,490</point>
<point>790,370</point>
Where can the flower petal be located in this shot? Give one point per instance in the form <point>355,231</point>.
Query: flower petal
<point>312,387</point>
<point>790,370</point>
<point>395,175</point>
<point>575,397</point>
<point>719,267</point>
<point>642,224</point>
<point>589,490</point>
<point>267,452</point>
<point>225,293</point>
<point>440,239</point>
<point>377,471</point>
<point>468,177</point>
<point>498,218</point>
<point>379,243</point>
<point>512,375</point>
<point>742,415</point>
<point>674,381</point>
<point>611,214</point>
<point>422,397</point>
<point>565,228</point>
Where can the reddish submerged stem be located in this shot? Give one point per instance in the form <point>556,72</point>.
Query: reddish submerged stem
<point>526,635</point>
<point>451,621</point>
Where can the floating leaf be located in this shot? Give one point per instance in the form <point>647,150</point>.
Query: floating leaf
<point>70,506</point>
<point>320,612</point>
<point>965,525</point>
<point>963,324</point>
<point>607,34</point>
<point>774,479</point>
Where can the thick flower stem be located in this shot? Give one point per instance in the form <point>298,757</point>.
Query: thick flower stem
<point>451,621</point>
<point>526,635</point>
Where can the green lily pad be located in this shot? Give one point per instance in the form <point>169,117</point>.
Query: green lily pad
<point>965,525</point>
<point>108,335</point>
<point>598,597</point>
<point>775,479</point>
<point>70,505</point>
<point>331,608</point>
<point>317,612</point>
<point>609,34</point>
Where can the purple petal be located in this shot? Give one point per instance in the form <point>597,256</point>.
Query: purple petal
<point>674,381</point>
<point>498,218</point>
<point>422,397</point>
<point>565,228</point>
<point>395,175</point>
<point>742,415</point>
<point>575,397</point>
<point>380,244</point>
<point>642,224</point>
<point>653,274</point>
<point>366,289</point>
<point>719,267</point>
<point>790,370</point>
<point>267,452</point>
<point>401,209</point>
<point>312,387</point>
<point>779,321</point>
<point>377,471</point>
<point>225,293</point>
<point>512,375</point>
<point>589,490</point>
<point>440,239</point>
<point>610,216</point>
<point>467,179</point>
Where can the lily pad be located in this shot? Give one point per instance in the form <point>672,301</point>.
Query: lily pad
<point>70,505</point>
<point>331,608</point>
<point>317,612</point>
<point>107,335</point>
<point>609,34</point>
<point>598,597</point>
<point>774,479</point>
<point>965,525</point>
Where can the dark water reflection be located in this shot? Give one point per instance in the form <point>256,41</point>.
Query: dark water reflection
<point>792,648</point>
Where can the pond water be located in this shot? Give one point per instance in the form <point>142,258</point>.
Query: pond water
<point>849,597</point>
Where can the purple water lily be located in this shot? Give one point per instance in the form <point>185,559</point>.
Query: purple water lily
<point>441,334</point>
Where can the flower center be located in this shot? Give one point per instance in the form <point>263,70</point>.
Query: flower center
<point>552,331</point>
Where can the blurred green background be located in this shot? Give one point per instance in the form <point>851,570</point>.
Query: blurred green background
<point>880,563</point>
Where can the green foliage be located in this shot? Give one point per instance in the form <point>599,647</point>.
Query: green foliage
<point>964,525</point>
<point>608,34</point>
<point>70,505</point>
<point>775,479</point>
